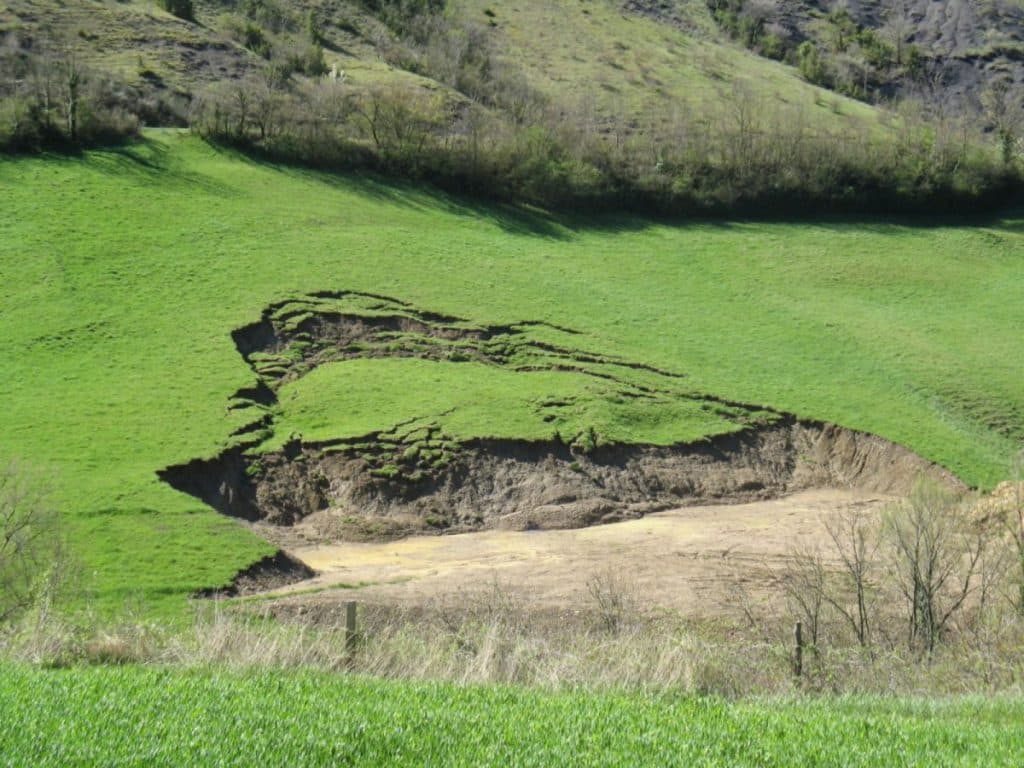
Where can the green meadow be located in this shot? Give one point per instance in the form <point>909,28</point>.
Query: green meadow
<point>153,716</point>
<point>123,273</point>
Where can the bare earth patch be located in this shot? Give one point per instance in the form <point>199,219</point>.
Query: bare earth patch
<point>701,561</point>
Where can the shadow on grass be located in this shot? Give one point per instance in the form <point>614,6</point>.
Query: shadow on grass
<point>153,160</point>
<point>999,209</point>
<point>425,197</point>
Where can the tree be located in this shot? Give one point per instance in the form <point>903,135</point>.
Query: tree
<point>805,582</point>
<point>73,84</point>
<point>1012,520</point>
<point>937,558</point>
<point>29,540</point>
<point>1005,112</point>
<point>856,543</point>
<point>898,29</point>
<point>400,122</point>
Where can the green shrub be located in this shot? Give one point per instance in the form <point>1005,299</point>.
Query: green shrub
<point>256,41</point>
<point>183,9</point>
<point>811,65</point>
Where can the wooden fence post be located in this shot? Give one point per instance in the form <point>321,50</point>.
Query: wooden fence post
<point>350,626</point>
<point>798,658</point>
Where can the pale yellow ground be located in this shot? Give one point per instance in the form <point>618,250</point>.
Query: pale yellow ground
<point>700,561</point>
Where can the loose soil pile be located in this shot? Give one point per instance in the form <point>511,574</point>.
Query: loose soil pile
<point>703,562</point>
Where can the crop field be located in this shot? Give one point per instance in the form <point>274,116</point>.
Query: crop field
<point>124,273</point>
<point>153,716</point>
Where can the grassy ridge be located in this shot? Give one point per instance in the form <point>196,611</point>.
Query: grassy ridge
<point>150,716</point>
<point>123,273</point>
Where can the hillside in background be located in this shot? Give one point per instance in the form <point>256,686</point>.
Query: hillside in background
<point>946,52</point>
<point>655,107</point>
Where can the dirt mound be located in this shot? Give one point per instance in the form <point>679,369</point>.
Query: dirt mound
<point>697,562</point>
<point>272,572</point>
<point>1002,505</point>
<point>335,494</point>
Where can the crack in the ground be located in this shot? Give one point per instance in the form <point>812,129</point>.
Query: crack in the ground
<point>295,336</point>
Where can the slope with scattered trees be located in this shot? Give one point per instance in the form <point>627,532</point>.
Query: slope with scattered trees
<point>628,113</point>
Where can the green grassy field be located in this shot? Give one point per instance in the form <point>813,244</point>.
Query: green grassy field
<point>123,273</point>
<point>152,716</point>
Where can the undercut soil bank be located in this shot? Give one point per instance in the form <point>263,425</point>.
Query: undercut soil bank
<point>332,492</point>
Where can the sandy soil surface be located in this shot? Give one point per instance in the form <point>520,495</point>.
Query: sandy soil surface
<point>703,561</point>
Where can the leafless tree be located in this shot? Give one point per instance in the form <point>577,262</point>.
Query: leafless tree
<point>897,28</point>
<point>856,543</point>
<point>938,559</point>
<point>399,121</point>
<point>613,598</point>
<point>1012,521</point>
<point>805,582</point>
<point>29,541</point>
<point>1004,110</point>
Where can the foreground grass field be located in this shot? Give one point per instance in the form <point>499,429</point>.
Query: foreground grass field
<point>153,716</point>
<point>122,275</point>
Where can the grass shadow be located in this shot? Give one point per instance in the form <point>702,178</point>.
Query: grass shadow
<point>154,160</point>
<point>996,210</point>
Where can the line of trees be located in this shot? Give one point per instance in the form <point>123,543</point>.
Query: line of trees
<point>494,135</point>
<point>745,154</point>
<point>499,137</point>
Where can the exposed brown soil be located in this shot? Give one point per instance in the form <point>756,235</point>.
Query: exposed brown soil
<point>703,562</point>
<point>325,494</point>
<point>272,572</point>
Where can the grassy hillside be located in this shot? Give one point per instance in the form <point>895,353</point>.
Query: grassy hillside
<point>619,58</point>
<point>619,65</point>
<point>122,275</point>
<point>571,106</point>
<point>167,717</point>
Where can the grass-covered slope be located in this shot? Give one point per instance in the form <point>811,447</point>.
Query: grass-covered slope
<point>620,65</point>
<point>623,60</point>
<point>166,717</point>
<point>123,274</point>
